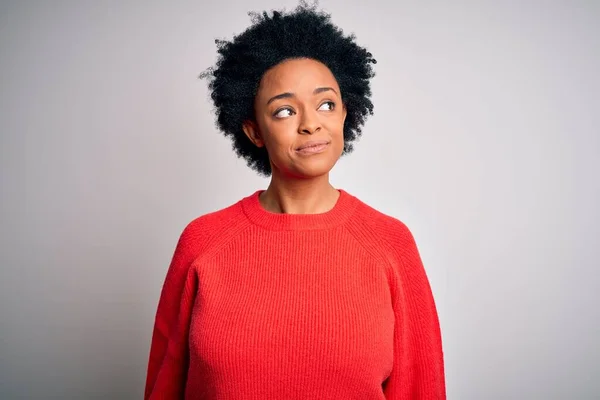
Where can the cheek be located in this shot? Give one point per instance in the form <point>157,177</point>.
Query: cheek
<point>336,126</point>
<point>279,135</point>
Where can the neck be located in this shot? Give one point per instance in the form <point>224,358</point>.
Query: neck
<point>299,196</point>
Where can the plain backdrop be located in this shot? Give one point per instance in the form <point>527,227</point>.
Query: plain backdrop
<point>485,142</point>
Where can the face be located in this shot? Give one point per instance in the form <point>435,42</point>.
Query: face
<point>299,118</point>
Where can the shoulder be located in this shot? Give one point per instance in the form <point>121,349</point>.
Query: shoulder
<point>385,236</point>
<point>207,229</point>
<point>380,224</point>
<point>389,238</point>
<point>213,221</point>
<point>197,238</point>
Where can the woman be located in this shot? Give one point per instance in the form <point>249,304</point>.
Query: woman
<point>300,291</point>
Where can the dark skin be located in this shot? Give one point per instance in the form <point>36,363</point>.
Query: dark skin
<point>299,118</point>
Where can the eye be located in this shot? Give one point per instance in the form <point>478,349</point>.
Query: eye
<point>327,106</point>
<point>283,113</point>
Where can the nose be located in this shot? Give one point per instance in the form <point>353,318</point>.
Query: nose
<point>309,123</point>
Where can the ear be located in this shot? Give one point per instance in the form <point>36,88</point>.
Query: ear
<point>251,130</point>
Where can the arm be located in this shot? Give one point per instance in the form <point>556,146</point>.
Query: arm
<point>168,361</point>
<point>418,371</point>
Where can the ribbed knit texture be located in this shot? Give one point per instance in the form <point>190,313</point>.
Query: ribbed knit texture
<point>259,306</point>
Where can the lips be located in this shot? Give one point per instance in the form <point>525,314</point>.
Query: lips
<point>313,143</point>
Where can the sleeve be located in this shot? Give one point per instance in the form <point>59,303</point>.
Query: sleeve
<point>169,356</point>
<point>418,371</point>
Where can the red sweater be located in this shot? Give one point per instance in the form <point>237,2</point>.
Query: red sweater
<point>259,306</point>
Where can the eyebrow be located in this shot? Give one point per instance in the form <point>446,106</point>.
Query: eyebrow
<point>287,95</point>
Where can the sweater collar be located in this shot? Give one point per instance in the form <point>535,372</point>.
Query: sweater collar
<point>343,208</point>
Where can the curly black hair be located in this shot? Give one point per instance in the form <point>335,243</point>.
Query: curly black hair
<point>271,39</point>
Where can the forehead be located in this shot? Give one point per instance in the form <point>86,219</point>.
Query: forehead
<point>296,76</point>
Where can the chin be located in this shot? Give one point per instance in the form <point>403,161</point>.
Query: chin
<point>313,168</point>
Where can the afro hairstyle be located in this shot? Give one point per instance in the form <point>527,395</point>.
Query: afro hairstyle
<point>271,39</point>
